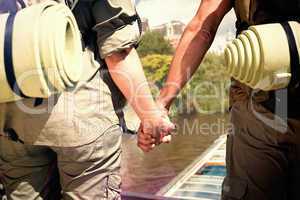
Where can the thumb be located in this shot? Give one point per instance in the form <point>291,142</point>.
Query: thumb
<point>168,126</point>
<point>166,139</point>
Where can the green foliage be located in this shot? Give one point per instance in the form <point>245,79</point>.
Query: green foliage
<point>156,67</point>
<point>154,43</point>
<point>207,92</point>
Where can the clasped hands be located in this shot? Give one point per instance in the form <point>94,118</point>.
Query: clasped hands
<point>155,130</point>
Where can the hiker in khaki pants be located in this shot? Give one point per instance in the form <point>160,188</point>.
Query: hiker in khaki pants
<point>68,146</point>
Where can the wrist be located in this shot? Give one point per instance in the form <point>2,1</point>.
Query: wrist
<point>165,99</point>
<point>146,109</point>
<point>152,116</point>
<point>163,102</point>
<point>168,93</point>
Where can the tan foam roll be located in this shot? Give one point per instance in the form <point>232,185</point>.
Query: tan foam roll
<point>46,51</point>
<point>260,57</point>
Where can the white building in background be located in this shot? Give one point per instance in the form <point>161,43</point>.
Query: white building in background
<point>172,31</point>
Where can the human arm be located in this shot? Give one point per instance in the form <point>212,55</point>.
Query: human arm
<point>127,72</point>
<point>194,43</point>
<point>116,37</point>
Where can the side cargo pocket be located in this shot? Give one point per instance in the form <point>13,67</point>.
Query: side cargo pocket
<point>234,188</point>
<point>114,187</point>
<point>229,143</point>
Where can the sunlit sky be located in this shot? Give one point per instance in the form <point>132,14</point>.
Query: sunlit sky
<point>162,11</point>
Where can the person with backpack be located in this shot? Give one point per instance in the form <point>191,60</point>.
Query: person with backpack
<point>69,145</point>
<point>263,148</point>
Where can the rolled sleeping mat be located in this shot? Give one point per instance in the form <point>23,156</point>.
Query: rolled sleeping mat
<point>40,52</point>
<point>260,57</point>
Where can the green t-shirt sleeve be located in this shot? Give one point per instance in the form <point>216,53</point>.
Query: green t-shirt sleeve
<point>115,26</point>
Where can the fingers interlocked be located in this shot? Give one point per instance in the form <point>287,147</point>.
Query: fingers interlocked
<point>153,132</point>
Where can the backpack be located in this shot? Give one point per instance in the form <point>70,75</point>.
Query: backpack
<point>254,12</point>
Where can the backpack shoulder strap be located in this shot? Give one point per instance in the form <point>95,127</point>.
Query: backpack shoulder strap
<point>22,3</point>
<point>8,6</point>
<point>71,3</point>
<point>11,6</point>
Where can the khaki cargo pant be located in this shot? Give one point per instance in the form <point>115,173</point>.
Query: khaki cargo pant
<point>263,163</point>
<point>91,171</point>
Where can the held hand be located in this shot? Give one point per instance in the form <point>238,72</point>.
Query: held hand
<point>145,141</point>
<point>155,131</point>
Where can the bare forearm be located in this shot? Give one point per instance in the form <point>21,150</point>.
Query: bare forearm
<point>188,55</point>
<point>195,41</point>
<point>127,72</point>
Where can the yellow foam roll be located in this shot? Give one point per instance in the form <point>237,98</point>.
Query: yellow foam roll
<point>256,59</point>
<point>260,57</point>
<point>46,51</point>
<point>275,57</point>
<point>247,58</point>
<point>241,58</point>
<point>233,55</point>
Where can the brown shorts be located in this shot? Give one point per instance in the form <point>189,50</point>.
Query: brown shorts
<point>263,155</point>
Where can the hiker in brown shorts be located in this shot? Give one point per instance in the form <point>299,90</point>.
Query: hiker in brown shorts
<point>263,154</point>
